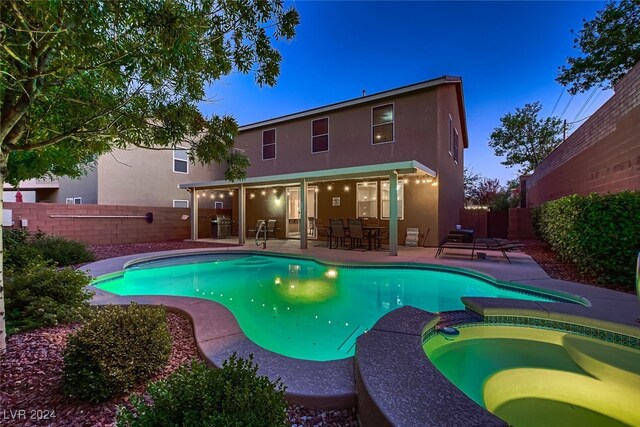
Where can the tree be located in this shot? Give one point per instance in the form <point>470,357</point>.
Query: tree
<point>81,77</point>
<point>610,44</point>
<point>470,179</point>
<point>524,139</point>
<point>486,191</point>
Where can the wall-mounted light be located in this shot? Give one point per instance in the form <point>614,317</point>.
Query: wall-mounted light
<point>274,191</point>
<point>346,188</point>
<point>264,193</point>
<point>231,193</point>
<point>316,189</point>
<point>329,187</point>
<point>252,196</point>
<point>221,195</point>
<point>406,180</point>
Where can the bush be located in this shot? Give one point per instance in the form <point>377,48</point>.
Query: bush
<point>199,396</point>
<point>41,295</point>
<point>116,349</point>
<point>598,233</point>
<point>21,247</point>
<point>60,250</point>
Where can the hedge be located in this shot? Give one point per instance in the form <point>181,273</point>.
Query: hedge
<point>600,234</point>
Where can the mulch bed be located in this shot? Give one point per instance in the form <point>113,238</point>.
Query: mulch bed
<point>31,370</point>
<point>554,267</point>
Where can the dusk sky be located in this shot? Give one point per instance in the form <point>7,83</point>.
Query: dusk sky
<point>507,54</point>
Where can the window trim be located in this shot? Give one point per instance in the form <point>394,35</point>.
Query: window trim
<point>173,164</point>
<point>313,136</point>
<point>456,145</point>
<point>180,200</point>
<point>450,136</point>
<point>400,183</point>
<point>73,200</point>
<point>215,205</point>
<point>393,124</point>
<point>275,144</point>
<point>369,183</point>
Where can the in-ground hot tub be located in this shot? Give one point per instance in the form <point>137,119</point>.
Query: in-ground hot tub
<point>533,377</point>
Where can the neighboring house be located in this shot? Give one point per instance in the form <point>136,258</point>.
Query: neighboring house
<point>601,156</point>
<point>349,159</point>
<point>134,177</point>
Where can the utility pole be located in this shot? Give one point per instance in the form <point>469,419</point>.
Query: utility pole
<point>564,131</point>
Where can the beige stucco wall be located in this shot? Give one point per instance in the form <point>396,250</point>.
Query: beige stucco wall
<point>144,178</point>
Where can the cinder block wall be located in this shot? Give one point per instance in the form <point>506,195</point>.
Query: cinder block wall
<point>167,223</point>
<point>602,155</point>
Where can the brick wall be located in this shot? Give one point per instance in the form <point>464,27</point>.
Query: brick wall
<point>602,155</point>
<point>474,219</point>
<point>519,222</point>
<point>167,223</point>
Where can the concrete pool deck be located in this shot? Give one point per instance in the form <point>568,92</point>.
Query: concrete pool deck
<point>332,384</point>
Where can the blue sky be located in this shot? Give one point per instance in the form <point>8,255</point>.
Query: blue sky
<point>507,54</point>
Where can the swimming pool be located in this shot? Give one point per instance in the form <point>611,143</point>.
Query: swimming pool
<point>303,308</point>
<point>533,377</point>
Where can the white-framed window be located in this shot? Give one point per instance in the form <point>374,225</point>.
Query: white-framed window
<point>367,199</point>
<point>73,200</point>
<point>180,160</point>
<point>450,135</point>
<point>456,142</point>
<point>268,144</point>
<point>320,135</point>
<point>180,203</point>
<point>384,199</point>
<point>218,205</point>
<point>382,129</point>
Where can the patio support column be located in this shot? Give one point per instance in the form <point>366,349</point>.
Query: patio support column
<point>303,214</point>
<point>194,214</point>
<point>242,214</point>
<point>393,213</point>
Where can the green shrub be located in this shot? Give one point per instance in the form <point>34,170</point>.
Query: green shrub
<point>61,250</point>
<point>21,247</point>
<point>200,396</point>
<point>116,349</point>
<point>41,295</point>
<point>598,233</point>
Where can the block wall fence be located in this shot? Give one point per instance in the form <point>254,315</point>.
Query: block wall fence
<point>602,155</point>
<point>167,223</point>
<point>520,225</point>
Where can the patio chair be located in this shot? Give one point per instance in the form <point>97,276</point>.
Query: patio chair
<point>381,236</point>
<point>256,228</point>
<point>356,234</point>
<point>271,228</point>
<point>336,231</point>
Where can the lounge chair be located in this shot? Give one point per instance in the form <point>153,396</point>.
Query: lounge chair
<point>484,244</point>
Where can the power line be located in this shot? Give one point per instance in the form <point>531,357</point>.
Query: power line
<point>593,92</point>
<point>558,101</point>
<point>567,106</point>
<point>594,99</point>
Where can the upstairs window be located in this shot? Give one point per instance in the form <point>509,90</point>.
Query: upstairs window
<point>180,203</point>
<point>382,124</point>
<point>269,144</point>
<point>180,161</point>
<point>320,135</point>
<point>456,140</point>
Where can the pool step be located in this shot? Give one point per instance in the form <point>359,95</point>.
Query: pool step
<point>350,342</point>
<point>254,262</point>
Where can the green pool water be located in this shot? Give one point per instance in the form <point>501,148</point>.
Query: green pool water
<point>301,308</point>
<point>533,377</point>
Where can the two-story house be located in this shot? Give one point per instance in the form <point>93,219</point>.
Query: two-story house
<point>350,159</point>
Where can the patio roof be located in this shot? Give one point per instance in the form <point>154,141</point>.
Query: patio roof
<point>410,167</point>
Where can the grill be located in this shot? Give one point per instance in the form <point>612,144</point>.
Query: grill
<point>220,227</point>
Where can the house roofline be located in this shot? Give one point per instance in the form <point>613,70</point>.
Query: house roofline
<point>366,99</point>
<point>406,167</point>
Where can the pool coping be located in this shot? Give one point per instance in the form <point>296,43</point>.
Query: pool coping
<point>333,384</point>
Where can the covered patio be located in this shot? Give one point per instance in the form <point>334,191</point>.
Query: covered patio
<point>287,196</point>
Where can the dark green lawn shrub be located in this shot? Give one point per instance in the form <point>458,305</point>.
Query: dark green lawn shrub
<point>20,247</point>
<point>117,348</point>
<point>200,396</point>
<point>598,233</point>
<point>41,295</point>
<point>60,250</point>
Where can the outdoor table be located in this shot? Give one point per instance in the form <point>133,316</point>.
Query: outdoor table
<point>370,229</point>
